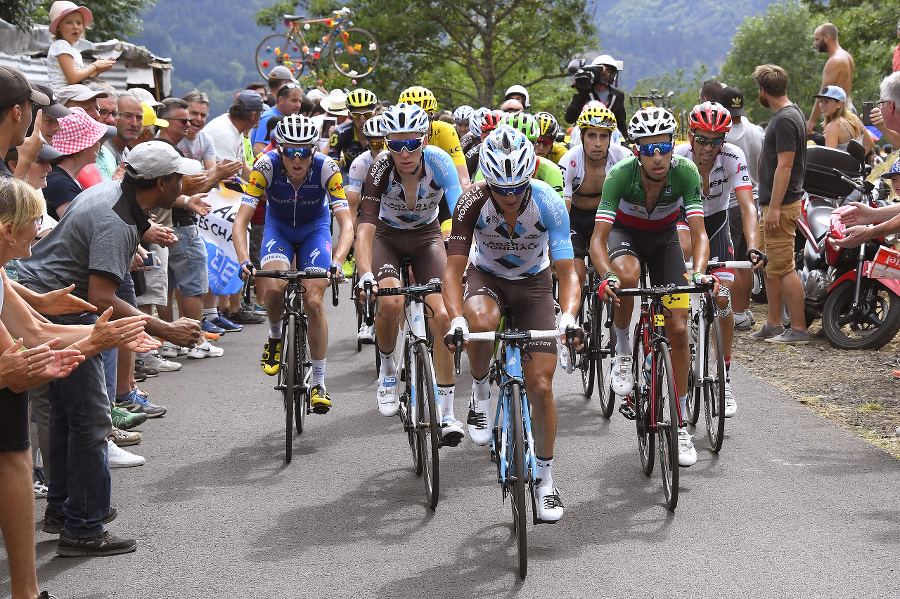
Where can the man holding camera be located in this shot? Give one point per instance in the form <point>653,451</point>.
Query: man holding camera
<point>595,82</point>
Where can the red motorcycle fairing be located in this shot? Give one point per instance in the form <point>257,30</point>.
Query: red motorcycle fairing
<point>850,275</point>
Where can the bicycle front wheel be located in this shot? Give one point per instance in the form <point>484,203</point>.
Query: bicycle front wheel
<point>301,395</point>
<point>714,386</point>
<point>667,424</point>
<point>279,49</point>
<point>588,356</point>
<point>517,471</point>
<point>355,54</point>
<point>604,350</point>
<point>428,427</point>
<point>289,367</point>
<point>643,418</point>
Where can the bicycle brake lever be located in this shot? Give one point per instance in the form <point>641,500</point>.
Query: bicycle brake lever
<point>457,341</point>
<point>334,286</point>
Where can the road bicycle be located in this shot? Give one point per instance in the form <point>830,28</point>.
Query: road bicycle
<point>595,359</point>
<point>512,443</point>
<point>295,366</point>
<point>419,407</point>
<point>707,375</point>
<point>353,50</point>
<point>654,399</point>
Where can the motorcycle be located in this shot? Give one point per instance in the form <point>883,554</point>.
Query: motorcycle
<point>857,311</point>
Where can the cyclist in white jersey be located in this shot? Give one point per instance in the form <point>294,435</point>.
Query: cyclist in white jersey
<point>723,169</point>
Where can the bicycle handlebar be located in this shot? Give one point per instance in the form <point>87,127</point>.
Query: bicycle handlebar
<point>292,275</point>
<point>753,258</point>
<point>411,290</point>
<point>662,290</point>
<point>536,335</point>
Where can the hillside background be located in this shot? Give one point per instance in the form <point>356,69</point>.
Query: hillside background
<point>212,42</point>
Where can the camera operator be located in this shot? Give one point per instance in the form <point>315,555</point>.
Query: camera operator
<point>595,82</point>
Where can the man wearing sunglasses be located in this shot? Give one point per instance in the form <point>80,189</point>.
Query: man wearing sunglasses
<point>399,220</point>
<point>348,139</point>
<point>643,197</point>
<point>723,169</point>
<point>516,222</point>
<point>288,101</point>
<point>303,189</point>
<point>546,145</point>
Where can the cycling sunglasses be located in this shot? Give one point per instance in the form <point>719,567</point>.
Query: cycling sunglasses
<point>292,153</point>
<point>410,145</point>
<point>362,115</point>
<point>663,147</point>
<point>376,145</point>
<point>709,141</point>
<point>511,191</point>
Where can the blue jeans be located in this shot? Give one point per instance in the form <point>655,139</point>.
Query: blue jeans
<point>79,424</point>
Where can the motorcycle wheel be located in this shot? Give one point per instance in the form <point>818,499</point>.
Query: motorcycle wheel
<point>874,327</point>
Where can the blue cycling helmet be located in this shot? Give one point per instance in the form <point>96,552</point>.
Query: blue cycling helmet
<point>507,158</point>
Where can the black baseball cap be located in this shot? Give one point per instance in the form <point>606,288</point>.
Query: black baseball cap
<point>15,88</point>
<point>54,108</point>
<point>732,98</point>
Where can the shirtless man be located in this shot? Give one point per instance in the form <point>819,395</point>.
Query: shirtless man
<point>838,68</point>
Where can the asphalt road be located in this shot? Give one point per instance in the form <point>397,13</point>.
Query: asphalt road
<point>793,506</point>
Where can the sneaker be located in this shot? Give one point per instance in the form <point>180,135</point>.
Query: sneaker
<point>46,595</point>
<point>387,396</point>
<point>169,350</point>
<point>743,321</point>
<point>549,504</point>
<point>205,350</point>
<point>766,332</point>
<point>226,325</point>
<point>246,316</point>
<point>137,403</point>
<point>54,521</point>
<point>154,360</point>
<point>125,439</point>
<point>451,431</point>
<point>119,458</point>
<point>349,266</point>
<point>102,544</point>
<point>621,376</point>
<point>40,485</point>
<point>271,358</point>
<point>366,333</point>
<point>687,455</point>
<point>791,337</point>
<point>139,376</point>
<point>730,404</point>
<point>123,419</point>
<point>319,400</point>
<point>208,336</point>
<point>259,309</point>
<point>209,327</point>
<point>477,421</point>
<point>148,371</point>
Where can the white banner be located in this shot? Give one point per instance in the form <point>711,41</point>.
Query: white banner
<point>215,229</point>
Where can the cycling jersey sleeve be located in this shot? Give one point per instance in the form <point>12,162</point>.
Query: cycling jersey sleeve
<point>549,173</point>
<point>740,174</point>
<point>465,216</point>
<point>692,191</point>
<point>260,178</point>
<point>333,183</point>
<point>373,189</point>
<point>357,174</point>
<point>447,178</point>
<point>554,217</point>
<point>444,136</point>
<point>615,186</point>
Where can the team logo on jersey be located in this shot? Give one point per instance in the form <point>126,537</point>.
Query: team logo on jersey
<point>257,184</point>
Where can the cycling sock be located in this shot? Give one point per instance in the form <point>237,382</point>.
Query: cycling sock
<point>727,363</point>
<point>682,405</point>
<point>446,395</point>
<point>481,389</point>
<point>387,364</point>
<point>318,372</point>
<point>623,341</point>
<point>543,471</point>
<point>275,330</point>
<point>210,312</point>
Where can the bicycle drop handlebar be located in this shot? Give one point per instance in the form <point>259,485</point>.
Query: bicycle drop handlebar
<point>298,275</point>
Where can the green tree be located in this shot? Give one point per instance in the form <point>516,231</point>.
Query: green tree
<point>112,18</point>
<point>783,36</point>
<point>469,51</point>
<point>684,93</point>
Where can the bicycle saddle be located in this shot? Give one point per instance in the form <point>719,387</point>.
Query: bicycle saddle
<point>294,18</point>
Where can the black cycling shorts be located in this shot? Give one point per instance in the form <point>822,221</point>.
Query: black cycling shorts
<point>720,247</point>
<point>581,224</point>
<point>659,250</point>
<point>13,421</point>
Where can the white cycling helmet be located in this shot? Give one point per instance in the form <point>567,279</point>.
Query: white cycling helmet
<point>374,127</point>
<point>475,121</point>
<point>648,122</point>
<point>519,89</point>
<point>405,118</point>
<point>463,113</point>
<point>507,158</point>
<point>296,129</point>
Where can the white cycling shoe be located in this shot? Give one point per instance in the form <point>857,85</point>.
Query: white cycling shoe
<point>687,455</point>
<point>477,420</point>
<point>621,376</point>
<point>730,404</point>
<point>549,505</point>
<point>388,403</point>
<point>451,431</point>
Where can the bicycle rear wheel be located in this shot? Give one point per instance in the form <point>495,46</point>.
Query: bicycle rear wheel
<point>356,54</point>
<point>643,418</point>
<point>289,367</point>
<point>428,427</point>
<point>301,396</point>
<point>280,49</point>
<point>517,471</point>
<point>667,424</point>
<point>360,310</point>
<point>604,350</point>
<point>695,340</point>
<point>714,386</point>
<point>588,355</point>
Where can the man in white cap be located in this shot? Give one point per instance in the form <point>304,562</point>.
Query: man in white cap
<point>595,82</point>
<point>93,248</point>
<point>82,96</point>
<point>278,77</point>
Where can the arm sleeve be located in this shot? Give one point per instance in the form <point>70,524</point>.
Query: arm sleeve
<point>552,176</point>
<point>357,174</point>
<point>568,174</point>
<point>447,139</point>
<point>107,255</point>
<point>613,190</point>
<point>333,183</point>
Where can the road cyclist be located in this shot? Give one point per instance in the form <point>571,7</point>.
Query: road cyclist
<point>515,222</point>
<point>635,227</point>
<point>302,189</point>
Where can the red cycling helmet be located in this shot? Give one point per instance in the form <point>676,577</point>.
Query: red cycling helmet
<point>710,116</point>
<point>490,121</point>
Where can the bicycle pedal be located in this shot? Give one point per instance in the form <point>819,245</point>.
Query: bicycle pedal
<point>627,411</point>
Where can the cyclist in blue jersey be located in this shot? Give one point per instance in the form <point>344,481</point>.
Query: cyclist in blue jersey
<point>302,189</point>
<point>399,220</point>
<point>516,222</point>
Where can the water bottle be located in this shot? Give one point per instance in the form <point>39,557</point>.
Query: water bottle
<point>648,365</point>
